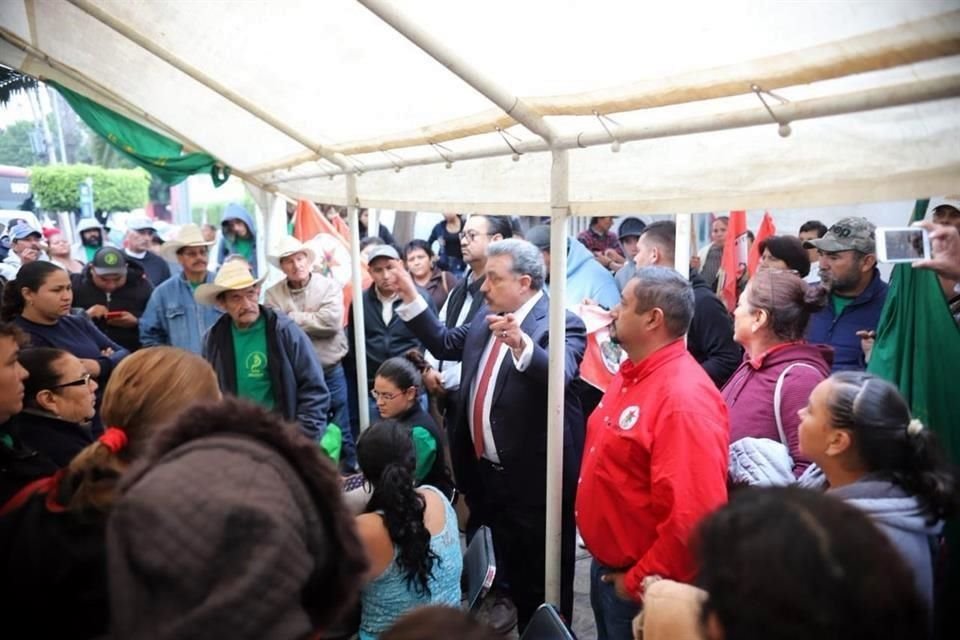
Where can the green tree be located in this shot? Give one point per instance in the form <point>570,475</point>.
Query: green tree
<point>56,188</point>
<point>15,147</point>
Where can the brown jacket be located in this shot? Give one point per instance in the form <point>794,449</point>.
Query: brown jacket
<point>318,310</point>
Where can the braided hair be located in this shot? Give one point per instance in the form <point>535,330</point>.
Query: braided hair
<point>388,460</point>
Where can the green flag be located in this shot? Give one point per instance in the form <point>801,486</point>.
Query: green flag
<point>161,156</point>
<point>918,349</point>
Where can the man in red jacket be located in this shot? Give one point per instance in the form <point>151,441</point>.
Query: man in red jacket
<point>655,460</point>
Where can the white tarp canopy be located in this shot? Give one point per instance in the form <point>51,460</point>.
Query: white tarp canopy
<point>290,93</point>
<point>483,106</point>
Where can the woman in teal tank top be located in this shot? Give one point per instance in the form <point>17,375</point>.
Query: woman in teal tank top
<point>410,534</point>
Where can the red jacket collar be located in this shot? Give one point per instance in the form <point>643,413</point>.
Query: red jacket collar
<point>634,372</point>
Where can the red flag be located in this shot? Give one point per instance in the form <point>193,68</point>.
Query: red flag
<point>308,222</point>
<point>767,229</point>
<point>602,358</point>
<point>329,241</point>
<point>734,261</point>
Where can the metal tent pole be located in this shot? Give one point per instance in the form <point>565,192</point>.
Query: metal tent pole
<point>559,213</point>
<point>682,247</point>
<point>359,330</point>
<point>511,104</point>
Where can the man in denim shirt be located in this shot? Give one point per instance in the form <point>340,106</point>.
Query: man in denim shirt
<point>172,316</point>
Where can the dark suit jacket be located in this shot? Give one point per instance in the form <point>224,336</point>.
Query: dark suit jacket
<point>518,413</point>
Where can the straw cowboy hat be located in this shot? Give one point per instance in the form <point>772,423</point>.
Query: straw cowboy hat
<point>288,246</point>
<point>233,276</point>
<point>188,236</point>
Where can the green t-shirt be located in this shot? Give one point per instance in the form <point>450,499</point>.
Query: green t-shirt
<point>839,304</point>
<point>90,251</point>
<point>244,247</point>
<point>250,358</point>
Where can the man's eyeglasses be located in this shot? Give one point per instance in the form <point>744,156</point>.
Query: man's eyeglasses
<point>471,235</point>
<point>376,395</point>
<point>76,383</point>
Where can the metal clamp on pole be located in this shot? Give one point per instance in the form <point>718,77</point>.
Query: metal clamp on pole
<point>504,134</point>
<point>436,147</point>
<point>784,127</point>
<point>615,143</point>
<point>393,158</point>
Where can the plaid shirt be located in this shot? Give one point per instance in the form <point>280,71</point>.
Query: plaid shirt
<point>595,242</point>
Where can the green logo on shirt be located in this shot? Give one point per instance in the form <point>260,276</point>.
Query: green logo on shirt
<point>256,364</point>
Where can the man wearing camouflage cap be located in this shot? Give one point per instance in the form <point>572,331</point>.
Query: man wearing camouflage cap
<point>848,270</point>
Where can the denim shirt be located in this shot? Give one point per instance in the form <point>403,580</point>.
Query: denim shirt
<point>174,318</point>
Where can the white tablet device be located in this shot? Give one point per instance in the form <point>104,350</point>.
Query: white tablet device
<point>902,244</point>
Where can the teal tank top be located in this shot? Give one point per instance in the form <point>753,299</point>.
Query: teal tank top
<point>388,597</point>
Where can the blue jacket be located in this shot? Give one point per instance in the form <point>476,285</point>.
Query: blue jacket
<point>586,278</point>
<point>174,318</point>
<point>840,332</point>
<point>236,212</point>
<point>299,388</point>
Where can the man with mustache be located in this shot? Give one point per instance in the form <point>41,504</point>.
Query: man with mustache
<point>172,316</point>
<point>261,354</point>
<point>24,249</point>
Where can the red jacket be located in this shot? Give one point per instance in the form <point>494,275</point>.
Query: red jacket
<point>655,464</point>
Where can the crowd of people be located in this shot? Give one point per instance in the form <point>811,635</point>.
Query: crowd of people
<point>181,457</point>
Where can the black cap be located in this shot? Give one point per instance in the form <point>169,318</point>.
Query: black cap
<point>109,261</point>
<point>631,227</point>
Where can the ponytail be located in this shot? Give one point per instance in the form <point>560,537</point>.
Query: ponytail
<point>91,477</point>
<point>891,443</point>
<point>386,456</point>
<point>926,474</point>
<point>13,302</point>
<point>404,371</point>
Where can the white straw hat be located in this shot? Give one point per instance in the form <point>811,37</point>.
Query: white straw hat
<point>288,246</point>
<point>189,235</point>
<point>233,276</point>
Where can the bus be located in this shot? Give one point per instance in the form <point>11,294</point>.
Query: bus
<point>15,189</point>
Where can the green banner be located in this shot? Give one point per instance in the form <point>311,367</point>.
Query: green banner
<point>158,154</point>
<point>918,349</point>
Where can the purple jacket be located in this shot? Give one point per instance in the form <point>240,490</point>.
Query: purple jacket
<point>749,394</point>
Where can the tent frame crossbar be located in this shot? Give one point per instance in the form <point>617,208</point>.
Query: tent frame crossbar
<point>854,102</point>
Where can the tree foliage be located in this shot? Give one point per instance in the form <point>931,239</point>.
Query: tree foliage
<point>15,147</point>
<point>56,188</point>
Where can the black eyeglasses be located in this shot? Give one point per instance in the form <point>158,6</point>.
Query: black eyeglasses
<point>76,383</point>
<point>471,235</point>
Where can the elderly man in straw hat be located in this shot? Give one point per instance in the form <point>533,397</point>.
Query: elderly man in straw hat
<point>315,303</point>
<point>172,316</point>
<point>261,354</point>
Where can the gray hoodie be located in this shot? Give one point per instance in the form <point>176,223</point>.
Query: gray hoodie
<point>898,515</point>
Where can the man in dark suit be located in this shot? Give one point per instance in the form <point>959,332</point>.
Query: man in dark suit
<point>498,437</point>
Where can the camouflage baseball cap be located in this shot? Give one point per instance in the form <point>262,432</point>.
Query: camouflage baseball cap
<point>856,234</point>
